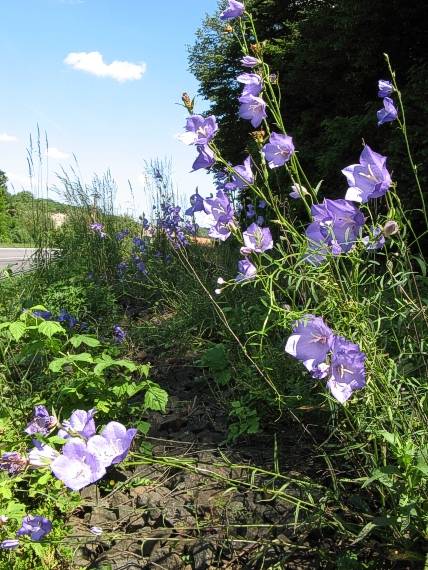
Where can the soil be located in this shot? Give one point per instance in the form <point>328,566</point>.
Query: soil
<point>218,512</point>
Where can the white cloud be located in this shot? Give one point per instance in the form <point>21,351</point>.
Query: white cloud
<point>56,154</point>
<point>93,62</point>
<point>4,137</point>
<point>18,179</point>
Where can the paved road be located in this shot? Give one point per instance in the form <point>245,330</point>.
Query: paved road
<point>16,258</point>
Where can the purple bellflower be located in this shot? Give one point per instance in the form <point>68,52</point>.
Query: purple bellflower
<point>252,109</point>
<point>243,175</point>
<point>112,445</point>
<point>347,370</point>
<point>9,544</point>
<point>253,84</point>
<point>234,10</point>
<point>385,88</point>
<point>41,455</point>
<point>388,113</point>
<point>199,130</point>
<point>41,422</point>
<point>246,270</point>
<point>98,229</point>
<point>278,150</point>
<point>220,212</point>
<point>36,527</point>
<point>368,179</point>
<point>81,423</point>
<point>39,314</point>
<point>205,158</point>
<point>256,240</point>
<point>249,61</point>
<point>311,340</point>
<point>119,334</point>
<point>196,204</point>
<point>77,466</point>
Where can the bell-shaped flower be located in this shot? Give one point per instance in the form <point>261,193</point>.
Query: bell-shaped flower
<point>9,544</point>
<point>347,370</point>
<point>234,10</point>
<point>81,422</point>
<point>256,239</point>
<point>243,175</point>
<point>77,466</point>
<point>368,179</point>
<point>252,109</point>
<point>246,270</point>
<point>196,204</point>
<point>253,84</point>
<point>35,527</point>
<point>388,113</point>
<point>42,455</point>
<point>41,422</point>
<point>249,61</point>
<point>112,444</point>
<point>205,158</point>
<point>311,340</point>
<point>199,130</point>
<point>385,88</point>
<point>278,150</point>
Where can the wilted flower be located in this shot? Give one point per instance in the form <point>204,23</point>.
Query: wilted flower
<point>311,340</point>
<point>246,270</point>
<point>13,462</point>
<point>36,527</point>
<point>257,240</point>
<point>278,150</point>
<point>234,10</point>
<point>249,61</point>
<point>347,370</point>
<point>368,179</point>
<point>252,109</point>
<point>81,423</point>
<point>253,84</point>
<point>388,113</point>
<point>205,158</point>
<point>297,191</point>
<point>119,334</point>
<point>385,88</point>
<point>199,130</point>
<point>41,422</point>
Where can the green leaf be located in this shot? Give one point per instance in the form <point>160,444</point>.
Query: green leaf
<point>79,339</point>
<point>384,475</point>
<point>155,398</point>
<point>215,358</point>
<point>389,437</point>
<point>57,364</point>
<point>422,461</point>
<point>50,328</point>
<point>17,329</point>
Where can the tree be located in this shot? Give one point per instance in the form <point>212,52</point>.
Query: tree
<point>4,216</point>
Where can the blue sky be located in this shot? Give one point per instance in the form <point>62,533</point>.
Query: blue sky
<point>110,116</point>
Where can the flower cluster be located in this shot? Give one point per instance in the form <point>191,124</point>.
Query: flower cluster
<point>200,131</point>
<point>389,112</point>
<point>221,215</point>
<point>326,355</point>
<point>35,527</point>
<point>252,107</point>
<point>98,229</point>
<point>64,317</point>
<point>85,455</point>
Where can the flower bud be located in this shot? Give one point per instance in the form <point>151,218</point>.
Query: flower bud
<point>390,228</point>
<point>217,291</point>
<point>220,281</point>
<point>258,136</point>
<point>187,102</point>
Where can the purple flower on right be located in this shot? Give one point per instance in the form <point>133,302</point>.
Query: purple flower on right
<point>278,150</point>
<point>369,179</point>
<point>234,10</point>
<point>347,370</point>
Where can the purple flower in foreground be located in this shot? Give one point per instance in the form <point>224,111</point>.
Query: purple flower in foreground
<point>388,113</point>
<point>257,239</point>
<point>243,175</point>
<point>13,462</point>
<point>205,158</point>
<point>249,61</point>
<point>42,455</point>
<point>9,544</point>
<point>234,10</point>
<point>77,466</point>
<point>199,130</point>
<point>253,84</point>
<point>119,334</point>
<point>246,270</point>
<point>196,204</point>
<point>221,214</point>
<point>385,88</point>
<point>278,150</point>
<point>310,341</point>
<point>376,240</point>
<point>36,527</point>
<point>252,109</point>
<point>41,422</point>
<point>112,445</point>
<point>347,370</point>
<point>368,179</point>
<point>81,423</point>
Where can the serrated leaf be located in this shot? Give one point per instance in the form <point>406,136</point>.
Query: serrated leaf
<point>384,475</point>
<point>79,339</point>
<point>50,328</point>
<point>155,398</point>
<point>17,329</point>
